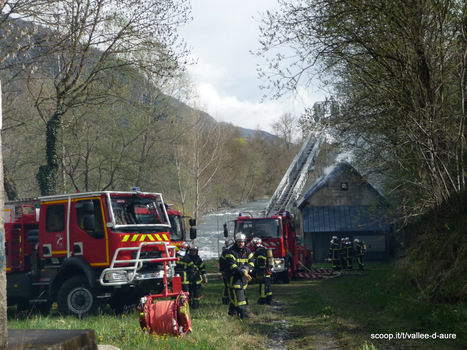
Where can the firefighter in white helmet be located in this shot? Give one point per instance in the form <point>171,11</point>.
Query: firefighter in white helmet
<point>334,254</point>
<point>348,253</point>
<point>263,272</point>
<point>222,269</point>
<point>199,275</point>
<point>184,266</point>
<point>239,264</point>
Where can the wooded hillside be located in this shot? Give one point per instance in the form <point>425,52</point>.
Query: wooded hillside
<point>121,131</point>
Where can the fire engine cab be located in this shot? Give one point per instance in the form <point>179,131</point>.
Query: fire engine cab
<point>277,233</point>
<point>85,248</point>
<point>177,230</point>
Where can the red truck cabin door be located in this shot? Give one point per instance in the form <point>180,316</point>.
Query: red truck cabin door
<point>74,227</point>
<point>88,233</point>
<point>52,226</point>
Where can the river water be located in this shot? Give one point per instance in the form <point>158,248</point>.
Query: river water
<point>210,232</point>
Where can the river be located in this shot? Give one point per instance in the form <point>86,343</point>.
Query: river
<point>210,232</point>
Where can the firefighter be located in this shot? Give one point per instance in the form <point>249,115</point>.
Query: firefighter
<point>263,272</point>
<point>348,253</point>
<point>222,269</point>
<point>184,266</point>
<point>342,252</point>
<point>359,250</point>
<point>335,253</point>
<point>197,277</point>
<point>239,264</point>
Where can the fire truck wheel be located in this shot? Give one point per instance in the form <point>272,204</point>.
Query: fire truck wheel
<point>76,298</point>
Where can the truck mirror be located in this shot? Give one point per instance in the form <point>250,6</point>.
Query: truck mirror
<point>226,231</point>
<point>192,222</point>
<point>87,206</point>
<point>192,233</point>
<point>88,222</point>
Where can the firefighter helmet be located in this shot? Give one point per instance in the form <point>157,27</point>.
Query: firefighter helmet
<point>356,240</point>
<point>229,242</point>
<point>184,246</point>
<point>240,237</point>
<point>193,249</point>
<point>256,241</point>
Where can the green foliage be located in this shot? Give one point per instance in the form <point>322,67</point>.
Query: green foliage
<point>396,72</point>
<point>435,254</point>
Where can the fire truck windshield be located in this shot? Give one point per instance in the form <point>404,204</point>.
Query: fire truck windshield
<point>176,228</point>
<point>138,211</point>
<point>263,228</point>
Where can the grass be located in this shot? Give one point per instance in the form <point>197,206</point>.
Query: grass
<point>341,312</point>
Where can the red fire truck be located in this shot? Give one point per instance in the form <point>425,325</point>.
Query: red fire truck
<point>85,248</point>
<point>278,234</point>
<point>177,229</point>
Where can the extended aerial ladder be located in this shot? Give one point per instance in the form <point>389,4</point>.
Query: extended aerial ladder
<point>295,178</point>
<point>292,183</point>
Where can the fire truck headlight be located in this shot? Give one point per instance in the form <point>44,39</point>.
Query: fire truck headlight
<point>120,276</point>
<point>279,265</point>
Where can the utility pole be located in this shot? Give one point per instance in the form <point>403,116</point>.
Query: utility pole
<point>3,308</point>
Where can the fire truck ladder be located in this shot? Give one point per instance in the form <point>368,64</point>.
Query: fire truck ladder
<point>295,178</point>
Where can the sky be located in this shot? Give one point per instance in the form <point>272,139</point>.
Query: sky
<point>222,36</point>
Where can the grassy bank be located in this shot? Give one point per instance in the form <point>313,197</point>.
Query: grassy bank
<point>342,312</point>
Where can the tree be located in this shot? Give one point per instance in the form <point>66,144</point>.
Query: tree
<point>284,129</point>
<point>204,159</point>
<point>15,42</point>
<point>83,42</point>
<point>398,70</point>
<point>3,302</point>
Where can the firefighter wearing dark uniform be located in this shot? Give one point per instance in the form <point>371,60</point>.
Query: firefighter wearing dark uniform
<point>348,253</point>
<point>197,277</point>
<point>222,269</point>
<point>184,266</point>
<point>239,265</point>
<point>342,252</point>
<point>359,250</point>
<point>335,253</point>
<point>263,273</point>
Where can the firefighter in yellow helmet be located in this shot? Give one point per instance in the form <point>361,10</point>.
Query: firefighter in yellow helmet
<point>263,272</point>
<point>239,264</point>
<point>359,250</point>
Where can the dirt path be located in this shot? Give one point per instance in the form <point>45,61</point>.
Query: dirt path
<point>288,335</point>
